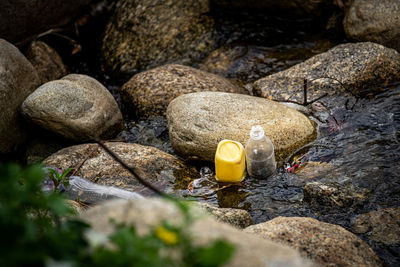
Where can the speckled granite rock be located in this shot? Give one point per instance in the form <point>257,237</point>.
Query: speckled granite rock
<point>46,61</point>
<point>77,107</point>
<point>150,92</point>
<point>333,194</point>
<point>284,7</point>
<point>20,19</point>
<point>148,213</point>
<point>156,166</point>
<point>198,121</point>
<point>236,217</point>
<point>361,68</point>
<point>382,225</point>
<point>18,78</point>
<point>326,244</point>
<point>145,34</point>
<point>374,21</point>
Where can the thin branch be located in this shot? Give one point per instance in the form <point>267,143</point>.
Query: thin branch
<point>131,170</point>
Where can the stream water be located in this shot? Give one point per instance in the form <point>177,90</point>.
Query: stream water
<point>358,153</point>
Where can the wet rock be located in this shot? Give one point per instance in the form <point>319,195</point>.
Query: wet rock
<point>164,170</point>
<point>18,78</point>
<point>236,217</point>
<point>360,68</point>
<point>77,107</point>
<point>151,91</point>
<point>382,225</point>
<point>198,121</point>
<point>148,213</point>
<point>46,61</point>
<point>20,19</point>
<point>283,7</point>
<point>334,194</point>
<point>374,21</point>
<point>145,34</point>
<point>326,244</point>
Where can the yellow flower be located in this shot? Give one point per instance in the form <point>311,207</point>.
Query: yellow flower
<point>167,236</point>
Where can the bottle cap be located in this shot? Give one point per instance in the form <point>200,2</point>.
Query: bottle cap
<point>257,132</point>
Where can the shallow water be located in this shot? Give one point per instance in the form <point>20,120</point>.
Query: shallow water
<point>357,149</point>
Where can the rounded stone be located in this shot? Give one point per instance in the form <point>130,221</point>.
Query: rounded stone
<point>199,121</point>
<point>77,107</point>
<point>150,92</point>
<point>18,78</point>
<point>326,244</point>
<point>145,34</point>
<point>359,68</point>
<point>145,214</point>
<point>161,169</point>
<point>46,61</point>
<point>374,21</point>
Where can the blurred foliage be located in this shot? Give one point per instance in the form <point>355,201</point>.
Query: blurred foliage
<point>39,229</point>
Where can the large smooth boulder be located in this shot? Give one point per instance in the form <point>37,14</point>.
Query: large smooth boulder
<point>18,78</point>
<point>77,107</point>
<point>326,244</point>
<point>20,19</point>
<point>199,121</point>
<point>150,92</point>
<point>164,170</point>
<point>374,21</point>
<point>145,214</point>
<point>359,68</point>
<point>145,34</point>
<point>46,61</point>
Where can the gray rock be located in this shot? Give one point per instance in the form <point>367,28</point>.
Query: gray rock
<point>326,244</point>
<point>151,91</point>
<point>283,7</point>
<point>199,121</point>
<point>374,21</point>
<point>77,107</point>
<point>46,61</point>
<point>20,19</point>
<point>18,78</point>
<point>334,194</point>
<point>164,170</point>
<point>145,34</point>
<point>382,225</point>
<point>148,213</point>
<point>236,217</point>
<point>359,68</point>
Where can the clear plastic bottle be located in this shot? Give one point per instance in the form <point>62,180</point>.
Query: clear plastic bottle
<point>260,156</point>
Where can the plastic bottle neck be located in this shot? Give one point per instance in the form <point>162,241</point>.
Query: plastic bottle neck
<point>257,132</point>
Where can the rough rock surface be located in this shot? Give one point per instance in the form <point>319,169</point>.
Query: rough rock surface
<point>199,121</point>
<point>20,19</point>
<point>145,34</point>
<point>236,217</point>
<point>18,78</point>
<point>327,244</point>
<point>150,92</point>
<point>360,68</point>
<point>284,7</point>
<point>374,21</point>
<point>77,107</point>
<point>156,166</point>
<point>46,61</point>
<point>382,226</point>
<point>334,194</point>
<point>148,213</point>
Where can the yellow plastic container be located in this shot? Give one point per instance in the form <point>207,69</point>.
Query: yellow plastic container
<point>230,162</point>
